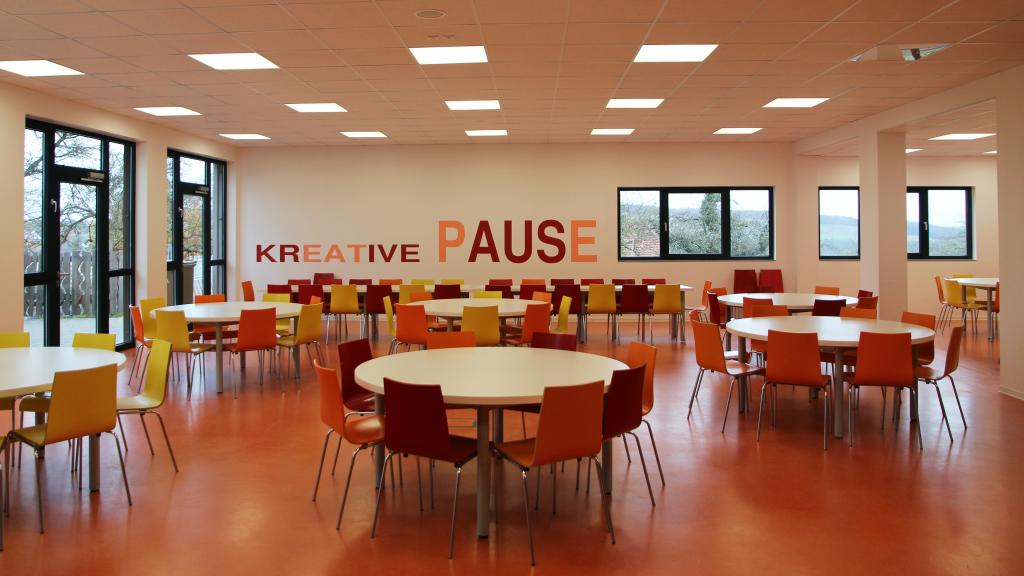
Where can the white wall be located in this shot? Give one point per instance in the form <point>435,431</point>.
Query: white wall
<point>16,104</point>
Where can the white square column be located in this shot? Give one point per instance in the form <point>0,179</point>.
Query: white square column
<point>1010,177</point>
<point>883,220</point>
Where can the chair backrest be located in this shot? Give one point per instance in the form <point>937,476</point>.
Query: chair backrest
<point>858,312</point>
<point>445,291</point>
<point>375,295</point>
<point>867,302</point>
<point>536,320</point>
<point>309,291</point>
<point>172,327</point>
<point>971,292</point>
<point>82,403</point>
<point>884,360</point>
<point>591,281</point>
<point>405,292</point>
<point>309,328</point>
<point>146,306</point>
<point>554,341</point>
<point>257,329</point>
<point>708,344</point>
<point>541,297</point>
<point>533,282</point>
<point>344,299</point>
<point>422,281</point>
<point>704,293</point>
<point>954,293</point>
<point>323,277</point>
<point>571,419</point>
<point>279,289</point>
<point>562,281</point>
<point>504,289</point>
<point>495,294</point>
<point>667,299</point>
<point>995,299</point>
<point>208,298</point>
<point>641,354</point>
<point>714,308</point>
<point>482,320</point>
<point>623,281</point>
<point>770,280</point>
<point>500,282</point>
<point>744,280</point>
<point>16,339</point>
<point>389,315</point>
<point>623,402</point>
<point>794,358</point>
<point>633,299</point>
<point>272,297</point>
<point>560,291</point>
<point>299,281</point>
<point>350,355</point>
<point>360,281</point>
<point>98,341</point>
<point>562,325</point>
<point>416,420</point>
<point>829,307</point>
<point>953,350</point>
<point>411,324</point>
<point>827,290</point>
<point>938,288</point>
<point>332,409</point>
<point>439,340</point>
<point>248,291</point>
<point>390,282</point>
<point>864,293</point>
<point>420,296</point>
<point>157,364</point>
<point>138,328</point>
<point>527,291</point>
<point>601,299</point>
<point>652,281</point>
<point>925,351</point>
<point>750,303</point>
<point>768,310</point>
<point>452,281</point>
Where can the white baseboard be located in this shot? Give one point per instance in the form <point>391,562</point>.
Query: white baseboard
<point>1019,395</point>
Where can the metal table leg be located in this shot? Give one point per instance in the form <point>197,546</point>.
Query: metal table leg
<point>483,476</point>
<point>378,453</point>
<point>743,400</point>
<point>607,464</point>
<point>838,414</point>
<point>94,463</point>
<point>219,360</point>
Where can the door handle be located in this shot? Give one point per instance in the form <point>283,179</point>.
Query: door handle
<point>53,204</point>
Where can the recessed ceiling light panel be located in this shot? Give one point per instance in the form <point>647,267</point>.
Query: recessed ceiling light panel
<point>473,104</point>
<point>962,136</point>
<point>795,102</point>
<point>992,152</point>
<point>365,134</point>
<point>316,107</point>
<point>168,111</point>
<point>674,52</point>
<point>635,102</point>
<point>737,130</point>
<point>912,150</point>
<point>486,132</point>
<point>34,68</point>
<point>611,131</point>
<point>234,61</point>
<point>449,55</point>
<point>246,136</point>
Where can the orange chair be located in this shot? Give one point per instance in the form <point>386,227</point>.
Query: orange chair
<point>390,282</point>
<point>711,358</point>
<point>932,375</point>
<point>350,355</point>
<point>439,340</point>
<point>411,328</point>
<point>569,428</point>
<point>536,320</point>
<point>417,424</point>
<point>883,360</point>
<point>248,292</point>
<point>925,353</point>
<point>858,312</point>
<point>827,290</point>
<point>257,332</point>
<point>641,354</point>
<point>554,341</point>
<point>716,310</point>
<point>533,282</point>
<point>364,432</point>
<point>541,296</point>
<point>749,303</point>
<point>702,309</point>
<point>794,361</point>
<point>760,347</point>
<point>206,331</point>
<point>867,302</point>
<point>623,411</point>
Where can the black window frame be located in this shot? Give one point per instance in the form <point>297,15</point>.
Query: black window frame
<point>820,255</point>
<point>922,192</point>
<point>726,221</point>
<point>178,190</point>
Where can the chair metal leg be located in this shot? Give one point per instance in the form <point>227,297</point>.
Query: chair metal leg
<point>958,405</point>
<point>760,411</point>
<point>348,481</point>
<point>657,458</point>
<point>120,460</point>
<point>942,406</point>
<point>916,423</point>
<point>455,507</point>
<point>167,439</point>
<point>693,395</point>
<point>626,446</point>
<point>826,413</point>
<point>121,427</point>
<point>849,414</point>
<point>643,464</point>
<point>320,468</point>
<point>419,482</point>
<point>380,491</point>
<point>39,488</point>
<point>146,431</point>
<point>604,498</point>
<point>526,510</point>
<point>728,403</point>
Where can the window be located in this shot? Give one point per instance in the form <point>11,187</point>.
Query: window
<point>939,223</point>
<point>839,223</point>
<point>711,223</point>
<point>196,226</point>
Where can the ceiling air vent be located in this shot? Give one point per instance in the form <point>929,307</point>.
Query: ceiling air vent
<point>430,14</point>
<point>898,53</point>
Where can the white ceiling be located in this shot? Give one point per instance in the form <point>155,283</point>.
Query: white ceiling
<point>553,63</point>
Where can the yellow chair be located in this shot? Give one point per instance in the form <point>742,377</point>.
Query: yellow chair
<point>487,294</point>
<point>172,327</point>
<point>284,325</point>
<point>151,397</point>
<point>562,326</point>
<point>405,292</point>
<point>12,340</point>
<point>972,293</point>
<point>482,321</point>
<point>83,403</point>
<point>344,301</point>
<point>667,300</point>
<point>423,282</point>
<point>955,298</point>
<point>146,307</point>
<point>307,333</point>
<point>452,281</point>
<point>601,300</point>
<point>98,341</point>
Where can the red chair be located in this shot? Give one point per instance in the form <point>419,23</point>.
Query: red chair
<point>867,302</point>
<point>248,292</point>
<point>650,281</point>
<point>500,282</point>
<point>634,299</point>
<point>827,307</point>
<point>590,281</point>
<point>715,309</point>
<point>623,411</point>
<point>865,293</point>
<point>279,289</point>
<point>360,281</point>
<point>526,291</point>
<point>562,281</point>
<point>411,327</point>
<point>623,281</point>
<point>417,424</point>
<point>308,291</point>
<point>505,289</point>
<point>573,291</point>
<point>553,341</point>
<point>445,291</point>
<point>323,277</point>
<point>743,281</point>
<point>373,302</point>
<point>350,355</point>
<point>299,282</point>
<point>257,332</point>
<point>770,280</point>
<point>794,361</point>
<point>886,361</point>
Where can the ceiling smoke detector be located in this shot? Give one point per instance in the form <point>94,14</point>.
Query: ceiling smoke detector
<point>430,14</point>
<point>898,53</point>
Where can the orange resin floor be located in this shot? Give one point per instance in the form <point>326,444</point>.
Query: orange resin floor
<point>241,503</point>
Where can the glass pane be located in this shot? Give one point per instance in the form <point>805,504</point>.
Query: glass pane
<point>170,209</point>
<point>838,223</point>
<point>913,223</point>
<point>77,150</point>
<point>192,245</point>
<point>193,171</point>
<point>749,232</point>
<point>947,223</point>
<point>217,280</point>
<point>217,223</point>
<point>35,307</point>
<point>695,223</point>
<point>639,220</point>
<point>77,260</point>
<point>119,187</point>
<point>118,299</point>
<point>33,200</point>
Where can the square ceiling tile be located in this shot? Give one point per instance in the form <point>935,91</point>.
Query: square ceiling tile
<point>84,25</point>
<point>250,18</point>
<point>180,21</point>
<point>338,15</point>
<point>522,11</point>
<point>373,37</point>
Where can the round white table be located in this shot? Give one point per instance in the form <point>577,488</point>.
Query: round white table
<point>220,314</point>
<point>834,334</point>
<point>451,308</point>
<point>488,378</point>
<point>986,284</point>
<point>794,301</point>
<point>31,370</point>
<point>361,288</point>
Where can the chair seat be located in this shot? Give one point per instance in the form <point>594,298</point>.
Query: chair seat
<point>928,373</point>
<point>362,403</point>
<point>364,430</point>
<point>32,435</point>
<point>462,450</point>
<point>289,341</point>
<point>519,452</point>
<point>138,402</point>
<point>202,347</point>
<point>821,384</point>
<point>34,404</point>
<point>531,408</point>
<point>851,379</point>
<point>234,349</point>
<point>737,368</point>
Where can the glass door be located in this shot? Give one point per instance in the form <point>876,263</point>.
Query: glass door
<point>195,231</point>
<point>76,267</point>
